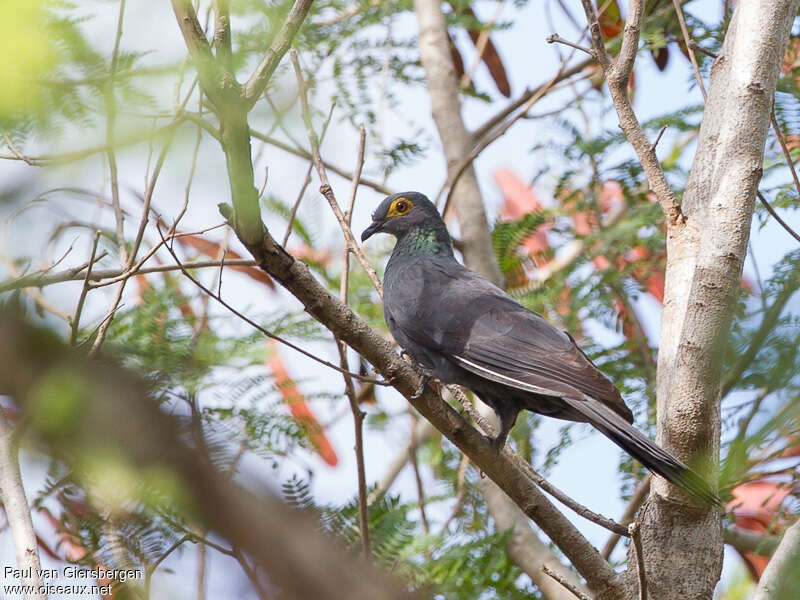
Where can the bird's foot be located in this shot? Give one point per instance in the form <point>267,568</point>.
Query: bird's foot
<point>497,443</point>
<point>421,387</point>
<point>427,380</point>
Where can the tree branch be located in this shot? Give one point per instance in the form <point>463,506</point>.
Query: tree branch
<point>199,49</point>
<point>563,581</point>
<point>15,504</point>
<point>261,76</point>
<point>633,528</point>
<point>347,326</point>
<point>703,277</point>
<point>325,188</point>
<point>525,548</point>
<point>745,540</point>
<point>638,497</point>
<point>434,50</point>
<point>617,75</point>
<point>114,415</point>
<point>781,578</point>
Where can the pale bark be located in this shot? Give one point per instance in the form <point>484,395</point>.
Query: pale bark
<point>18,513</point>
<point>456,140</point>
<point>781,578</point>
<point>683,543</point>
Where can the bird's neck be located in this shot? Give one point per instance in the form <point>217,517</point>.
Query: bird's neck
<point>426,239</point>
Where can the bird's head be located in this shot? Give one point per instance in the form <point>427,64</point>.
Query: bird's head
<point>401,213</point>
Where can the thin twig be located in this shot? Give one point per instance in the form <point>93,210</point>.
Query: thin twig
<point>378,187</point>
<point>296,205</point>
<point>638,497</point>
<point>73,336</point>
<point>418,478</point>
<point>115,275</point>
<point>460,491</point>
<point>658,137</point>
<point>358,414</point>
<point>148,196</point>
<point>325,188</point>
<point>513,106</point>
<point>493,135</point>
<point>152,567</point>
<point>575,591</point>
<point>103,329</point>
<point>184,269</point>
<point>111,109</point>
<point>687,40</point>
<point>786,154</point>
<point>554,38</point>
<point>137,268</point>
<point>775,215</point>
<point>635,534</point>
<point>695,46</point>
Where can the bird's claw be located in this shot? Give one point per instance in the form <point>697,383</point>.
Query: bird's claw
<point>497,443</point>
<point>421,387</point>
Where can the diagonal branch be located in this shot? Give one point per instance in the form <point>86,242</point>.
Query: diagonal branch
<point>200,50</point>
<point>296,277</point>
<point>325,189</point>
<point>780,579</point>
<point>260,77</point>
<point>617,75</point>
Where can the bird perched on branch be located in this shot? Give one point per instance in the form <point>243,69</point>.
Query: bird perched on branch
<point>460,328</point>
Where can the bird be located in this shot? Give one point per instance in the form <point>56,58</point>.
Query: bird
<point>459,328</point>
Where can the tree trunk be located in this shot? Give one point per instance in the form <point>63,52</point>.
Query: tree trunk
<point>683,543</point>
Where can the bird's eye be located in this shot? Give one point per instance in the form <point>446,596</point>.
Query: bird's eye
<point>401,207</point>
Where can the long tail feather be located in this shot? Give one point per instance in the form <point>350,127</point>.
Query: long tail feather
<point>643,449</point>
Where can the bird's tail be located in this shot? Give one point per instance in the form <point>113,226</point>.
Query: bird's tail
<point>642,449</point>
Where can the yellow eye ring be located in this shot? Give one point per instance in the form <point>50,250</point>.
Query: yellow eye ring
<point>401,206</point>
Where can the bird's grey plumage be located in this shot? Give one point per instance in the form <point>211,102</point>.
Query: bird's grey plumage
<point>463,329</point>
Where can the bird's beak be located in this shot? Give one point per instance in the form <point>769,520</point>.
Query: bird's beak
<point>374,228</point>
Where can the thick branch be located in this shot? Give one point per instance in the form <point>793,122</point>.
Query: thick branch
<point>200,50</point>
<point>781,579</point>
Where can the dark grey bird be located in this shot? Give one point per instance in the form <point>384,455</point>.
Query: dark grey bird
<point>460,328</point>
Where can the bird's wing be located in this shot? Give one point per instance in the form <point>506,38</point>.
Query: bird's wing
<point>488,333</point>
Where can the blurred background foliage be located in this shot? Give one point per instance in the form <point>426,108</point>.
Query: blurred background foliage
<point>86,116</point>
